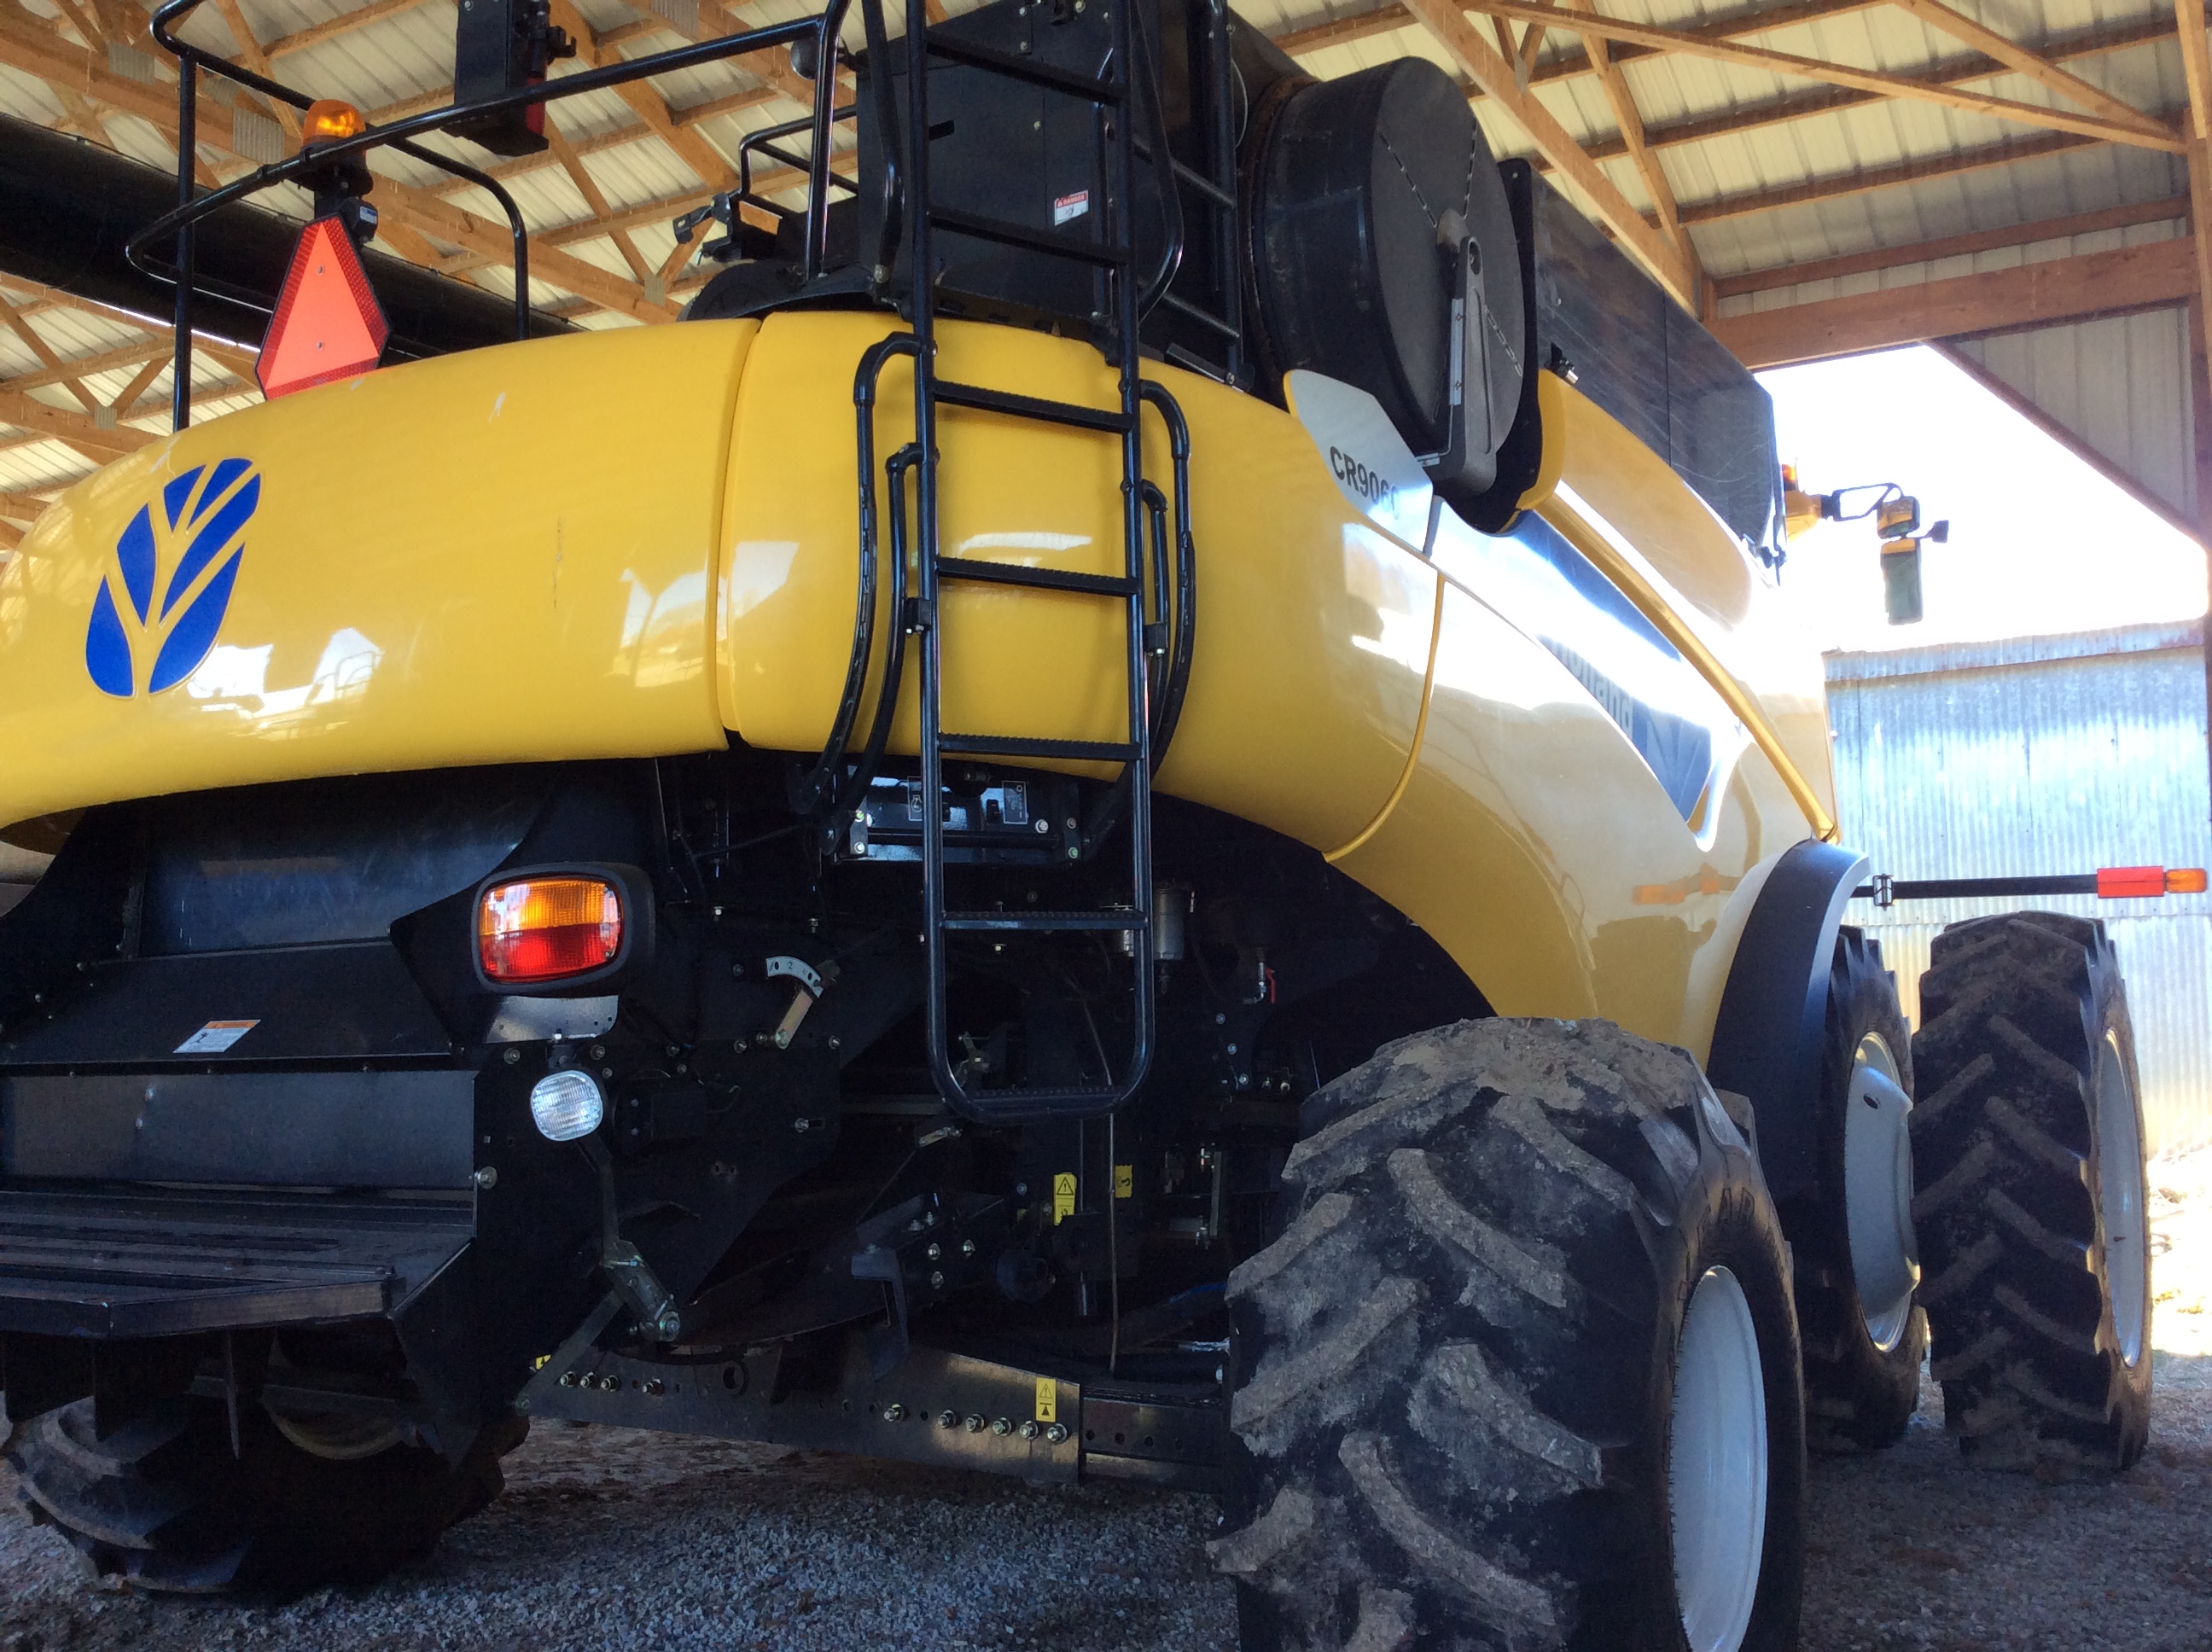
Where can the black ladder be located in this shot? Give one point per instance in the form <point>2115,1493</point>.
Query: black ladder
<point>1151,655</point>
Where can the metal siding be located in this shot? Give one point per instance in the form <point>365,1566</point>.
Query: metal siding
<point>2045,755</point>
<point>2119,384</point>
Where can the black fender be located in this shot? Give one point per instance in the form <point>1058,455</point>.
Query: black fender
<point>1767,1037</point>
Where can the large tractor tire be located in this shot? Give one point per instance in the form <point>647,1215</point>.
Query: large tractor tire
<point>2032,1209</point>
<point>1520,1368</point>
<point>164,1504</point>
<point>1856,1259</point>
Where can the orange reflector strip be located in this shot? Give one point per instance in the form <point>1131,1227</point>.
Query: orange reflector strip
<point>329,119</point>
<point>545,928</point>
<point>328,325</point>
<point>2129,883</point>
<point>2184,880</point>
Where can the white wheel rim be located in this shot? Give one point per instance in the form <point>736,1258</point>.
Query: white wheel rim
<point>1717,1465</point>
<point>2120,1183</point>
<point>1878,1193</point>
<point>337,1436</point>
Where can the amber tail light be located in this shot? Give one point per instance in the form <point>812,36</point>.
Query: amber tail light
<point>539,929</point>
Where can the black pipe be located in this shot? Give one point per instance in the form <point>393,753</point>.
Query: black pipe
<point>66,207</point>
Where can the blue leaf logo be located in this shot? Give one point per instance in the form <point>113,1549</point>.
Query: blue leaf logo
<point>193,533</point>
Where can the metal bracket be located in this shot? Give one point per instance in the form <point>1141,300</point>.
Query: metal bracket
<point>631,1276</point>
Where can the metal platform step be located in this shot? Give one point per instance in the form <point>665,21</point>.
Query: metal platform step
<point>155,1263</point>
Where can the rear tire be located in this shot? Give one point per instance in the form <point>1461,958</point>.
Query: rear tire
<point>1522,1368</point>
<point>1853,1242</point>
<point>2032,1205</point>
<point>163,1504</point>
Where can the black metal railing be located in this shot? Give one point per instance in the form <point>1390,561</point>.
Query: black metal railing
<point>175,227</point>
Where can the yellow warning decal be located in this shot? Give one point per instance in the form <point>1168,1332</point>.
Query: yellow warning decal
<point>1125,1181</point>
<point>1063,1197</point>
<point>1048,1400</point>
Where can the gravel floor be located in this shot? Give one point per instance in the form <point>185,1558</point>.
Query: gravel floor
<point>609,1537</point>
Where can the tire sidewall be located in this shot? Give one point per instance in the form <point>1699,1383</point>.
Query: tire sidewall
<point>1885,1382</point>
<point>2109,1016</point>
<point>1723,1218</point>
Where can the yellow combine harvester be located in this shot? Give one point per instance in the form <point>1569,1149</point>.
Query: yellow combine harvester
<point>1143,809</point>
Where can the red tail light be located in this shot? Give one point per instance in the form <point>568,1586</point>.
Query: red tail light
<point>545,928</point>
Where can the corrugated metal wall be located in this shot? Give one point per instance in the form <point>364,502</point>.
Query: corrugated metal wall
<point>2119,384</point>
<point>2045,754</point>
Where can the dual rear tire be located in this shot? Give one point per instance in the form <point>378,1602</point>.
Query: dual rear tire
<point>165,1505</point>
<point>2032,1206</point>
<point>1522,1368</point>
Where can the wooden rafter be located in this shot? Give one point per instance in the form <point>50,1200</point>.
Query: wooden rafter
<point>2196,70</point>
<point>2021,61</point>
<point>1830,100</point>
<point>2142,132</point>
<point>43,54</point>
<point>1475,56</point>
<point>43,419</point>
<point>1866,180</point>
<point>2039,295</point>
<point>595,202</point>
<point>345,23</point>
<point>2165,210</point>
<point>1629,123</point>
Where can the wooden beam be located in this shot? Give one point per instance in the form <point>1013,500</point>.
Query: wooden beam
<point>249,53</point>
<point>2021,61</point>
<point>127,398</point>
<point>1998,301</point>
<point>595,202</point>
<point>1953,246</point>
<point>1838,186</point>
<point>43,419</point>
<point>375,12</point>
<point>84,367</point>
<point>45,55</point>
<point>1629,122</point>
<point>20,325</point>
<point>2149,134</point>
<point>1832,99</point>
<point>21,506</point>
<point>644,215</point>
<point>1449,25</point>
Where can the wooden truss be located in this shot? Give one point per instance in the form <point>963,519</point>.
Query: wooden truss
<point>1522,61</point>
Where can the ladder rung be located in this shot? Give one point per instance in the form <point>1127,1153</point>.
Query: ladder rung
<point>1040,579</point>
<point>1007,233</point>
<point>1015,745</point>
<point>1023,68</point>
<point>1203,318</point>
<point>1030,407</point>
<point>1206,186</point>
<point>1044,922</point>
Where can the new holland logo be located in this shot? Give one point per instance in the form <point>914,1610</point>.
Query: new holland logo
<point>135,642</point>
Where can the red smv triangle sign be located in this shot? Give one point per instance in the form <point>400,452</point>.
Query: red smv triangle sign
<point>328,323</point>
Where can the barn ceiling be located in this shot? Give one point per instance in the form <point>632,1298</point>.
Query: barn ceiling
<point>1812,178</point>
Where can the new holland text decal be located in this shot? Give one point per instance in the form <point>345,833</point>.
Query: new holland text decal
<point>165,594</point>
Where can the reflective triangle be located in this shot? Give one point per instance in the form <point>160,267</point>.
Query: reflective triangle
<point>328,325</point>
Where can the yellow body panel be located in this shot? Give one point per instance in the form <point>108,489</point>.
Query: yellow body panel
<point>626,543</point>
<point>502,555</point>
<point>1313,626</point>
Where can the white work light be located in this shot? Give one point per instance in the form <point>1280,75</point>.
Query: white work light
<point>566,1105</point>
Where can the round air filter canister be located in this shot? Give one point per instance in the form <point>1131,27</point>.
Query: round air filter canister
<point>1371,192</point>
